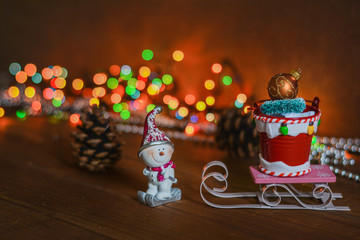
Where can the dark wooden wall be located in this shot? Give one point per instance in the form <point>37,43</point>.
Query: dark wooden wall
<point>262,38</point>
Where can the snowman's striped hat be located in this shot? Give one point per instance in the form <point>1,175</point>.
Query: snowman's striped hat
<point>152,135</point>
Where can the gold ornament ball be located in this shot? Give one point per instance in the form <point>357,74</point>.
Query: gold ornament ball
<point>284,85</point>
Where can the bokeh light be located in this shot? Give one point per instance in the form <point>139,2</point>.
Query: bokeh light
<point>153,89</point>
<point>210,117</point>
<point>64,73</point>
<point>13,92</point>
<point>117,107</point>
<point>238,104</point>
<point>125,114</point>
<point>147,54</point>
<point>114,70</point>
<point>189,130</point>
<point>58,95</point>
<point>48,93</point>
<point>209,84</point>
<point>112,83</point>
<point>167,98</point>
<point>36,78</point>
<point>173,103</point>
<point>130,90</point>
<point>100,78</point>
<point>140,85</point>
<point>210,100</point>
<point>98,92</point>
<point>36,105</point>
<point>241,98</point>
<point>183,111</point>
<point>94,101</point>
<point>14,68</point>
<point>47,73</point>
<point>21,77</point>
<point>74,118</point>
<point>190,99</point>
<point>227,80</point>
<point>144,71</point>
<point>2,112</point>
<point>247,109</point>
<point>167,79</point>
<point>60,82</point>
<point>216,68</point>
<point>178,55</point>
<point>200,106</point>
<point>194,119</point>
<point>78,84</point>
<point>30,69</point>
<point>30,92</point>
<point>126,70</point>
<point>21,113</point>
<point>115,98</point>
<point>136,94</point>
<point>57,71</point>
<point>56,102</point>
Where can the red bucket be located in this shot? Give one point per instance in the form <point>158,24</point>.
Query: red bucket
<point>286,155</point>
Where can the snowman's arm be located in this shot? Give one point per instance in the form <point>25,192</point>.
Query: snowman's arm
<point>146,172</point>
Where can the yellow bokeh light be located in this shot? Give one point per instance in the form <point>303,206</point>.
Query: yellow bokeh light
<point>209,84</point>
<point>60,82</point>
<point>173,103</point>
<point>144,71</point>
<point>178,55</point>
<point>94,101</point>
<point>200,106</point>
<point>153,89</point>
<point>78,84</point>
<point>241,98</point>
<point>21,77</point>
<point>2,112</point>
<point>13,92</point>
<point>98,92</point>
<point>247,109</point>
<point>183,112</point>
<point>189,130</point>
<point>58,95</point>
<point>210,100</point>
<point>30,92</point>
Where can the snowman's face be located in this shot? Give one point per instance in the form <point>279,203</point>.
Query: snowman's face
<point>156,156</point>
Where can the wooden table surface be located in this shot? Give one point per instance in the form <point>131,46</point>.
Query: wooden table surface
<point>44,195</point>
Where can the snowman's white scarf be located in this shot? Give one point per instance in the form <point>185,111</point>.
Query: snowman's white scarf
<point>160,176</point>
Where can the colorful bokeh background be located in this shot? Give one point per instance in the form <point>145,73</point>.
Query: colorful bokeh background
<point>261,38</point>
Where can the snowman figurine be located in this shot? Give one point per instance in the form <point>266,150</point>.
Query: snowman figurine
<point>156,151</point>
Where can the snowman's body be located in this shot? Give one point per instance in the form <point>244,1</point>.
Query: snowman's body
<point>158,157</point>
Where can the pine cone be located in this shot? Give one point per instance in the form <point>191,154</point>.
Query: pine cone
<point>96,144</point>
<point>237,133</point>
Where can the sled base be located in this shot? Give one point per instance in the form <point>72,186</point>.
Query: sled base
<point>153,201</point>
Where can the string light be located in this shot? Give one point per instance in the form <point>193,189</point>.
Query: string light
<point>178,55</point>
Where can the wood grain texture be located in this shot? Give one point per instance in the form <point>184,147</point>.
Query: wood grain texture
<point>43,194</point>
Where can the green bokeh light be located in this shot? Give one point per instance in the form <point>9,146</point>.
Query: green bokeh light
<point>130,90</point>
<point>132,82</point>
<point>14,68</point>
<point>147,54</point>
<point>21,113</point>
<point>157,82</point>
<point>112,83</point>
<point>117,107</point>
<point>150,107</point>
<point>56,103</point>
<point>227,80</point>
<point>125,114</point>
<point>167,79</point>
